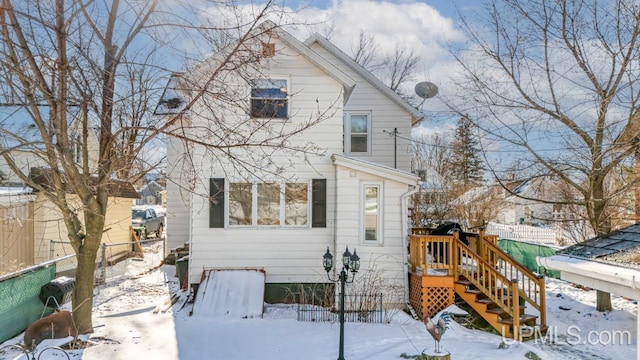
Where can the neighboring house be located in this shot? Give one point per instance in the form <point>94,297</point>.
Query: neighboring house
<point>49,223</point>
<point>46,222</point>
<point>356,196</point>
<point>150,194</point>
<point>609,263</point>
<point>16,228</point>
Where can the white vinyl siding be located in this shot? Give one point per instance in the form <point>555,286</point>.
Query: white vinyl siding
<point>386,116</point>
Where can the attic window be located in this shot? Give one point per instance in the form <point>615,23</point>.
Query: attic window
<point>269,98</point>
<point>268,49</point>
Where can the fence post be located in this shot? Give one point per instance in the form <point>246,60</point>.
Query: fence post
<point>381,310</point>
<point>103,264</point>
<point>515,300</point>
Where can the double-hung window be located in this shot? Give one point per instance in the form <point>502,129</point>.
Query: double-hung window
<point>269,98</point>
<point>358,132</point>
<point>371,213</point>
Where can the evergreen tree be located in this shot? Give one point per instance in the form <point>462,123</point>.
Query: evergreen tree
<point>465,161</point>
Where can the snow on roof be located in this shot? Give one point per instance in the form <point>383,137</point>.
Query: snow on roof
<point>231,293</point>
<point>11,195</point>
<point>12,191</point>
<point>173,99</point>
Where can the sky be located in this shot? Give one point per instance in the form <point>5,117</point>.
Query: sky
<point>427,27</point>
<point>132,316</point>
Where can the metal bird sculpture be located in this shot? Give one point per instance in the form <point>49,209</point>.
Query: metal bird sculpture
<point>438,328</point>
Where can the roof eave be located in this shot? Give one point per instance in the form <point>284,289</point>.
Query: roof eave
<point>416,115</point>
<point>375,169</point>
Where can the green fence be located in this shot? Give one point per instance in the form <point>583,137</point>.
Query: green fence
<point>526,253</point>
<point>20,304</point>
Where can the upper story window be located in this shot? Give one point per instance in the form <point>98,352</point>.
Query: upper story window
<point>269,98</point>
<point>357,132</point>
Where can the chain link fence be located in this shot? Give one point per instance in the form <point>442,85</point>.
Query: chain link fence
<point>114,262</point>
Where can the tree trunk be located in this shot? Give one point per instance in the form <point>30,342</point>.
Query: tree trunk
<point>83,291</point>
<point>86,254</point>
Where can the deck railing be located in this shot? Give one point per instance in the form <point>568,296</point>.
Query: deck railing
<point>531,285</point>
<point>431,252</point>
<point>502,290</point>
<point>500,277</point>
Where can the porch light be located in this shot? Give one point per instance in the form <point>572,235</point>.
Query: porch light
<point>327,261</point>
<point>354,262</point>
<point>346,258</point>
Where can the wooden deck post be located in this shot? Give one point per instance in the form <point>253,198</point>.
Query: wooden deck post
<point>515,301</point>
<point>543,304</point>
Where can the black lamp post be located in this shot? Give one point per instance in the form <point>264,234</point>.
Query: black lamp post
<point>350,262</point>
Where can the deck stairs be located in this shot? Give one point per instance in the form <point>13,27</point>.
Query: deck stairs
<point>494,284</point>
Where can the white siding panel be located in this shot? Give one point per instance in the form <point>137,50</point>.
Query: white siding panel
<point>384,260</point>
<point>386,115</point>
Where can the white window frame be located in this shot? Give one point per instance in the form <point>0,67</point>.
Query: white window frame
<point>380,212</point>
<point>287,91</point>
<point>347,132</point>
<point>254,206</point>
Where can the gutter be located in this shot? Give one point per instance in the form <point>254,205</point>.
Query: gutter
<point>596,270</point>
<point>405,233</point>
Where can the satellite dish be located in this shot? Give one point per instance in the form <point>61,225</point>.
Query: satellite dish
<point>426,89</point>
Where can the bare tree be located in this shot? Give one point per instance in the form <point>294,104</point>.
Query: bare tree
<point>563,72</point>
<point>430,159</point>
<point>400,66</point>
<point>91,65</point>
<point>394,69</point>
<point>365,51</point>
<point>555,83</point>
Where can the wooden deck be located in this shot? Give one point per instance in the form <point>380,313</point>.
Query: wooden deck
<point>488,279</point>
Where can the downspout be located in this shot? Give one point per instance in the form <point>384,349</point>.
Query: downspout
<point>335,212</point>
<point>405,233</point>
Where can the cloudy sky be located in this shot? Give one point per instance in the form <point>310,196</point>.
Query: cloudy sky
<point>428,26</point>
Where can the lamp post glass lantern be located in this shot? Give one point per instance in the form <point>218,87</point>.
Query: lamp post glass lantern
<point>350,262</point>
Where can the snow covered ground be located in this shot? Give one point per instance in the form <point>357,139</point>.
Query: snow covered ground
<point>130,320</point>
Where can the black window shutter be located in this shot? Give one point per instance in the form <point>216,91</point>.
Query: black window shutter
<point>319,203</point>
<point>216,203</point>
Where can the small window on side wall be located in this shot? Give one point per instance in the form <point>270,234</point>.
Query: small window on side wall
<point>269,98</point>
<point>358,130</point>
<point>372,213</point>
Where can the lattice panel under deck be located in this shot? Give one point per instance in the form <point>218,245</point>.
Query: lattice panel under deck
<point>437,298</point>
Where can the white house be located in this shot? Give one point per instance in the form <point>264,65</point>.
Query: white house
<point>355,193</point>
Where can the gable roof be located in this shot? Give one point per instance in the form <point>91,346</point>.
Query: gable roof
<point>620,247</point>
<point>416,116</point>
<point>375,169</point>
<point>174,99</point>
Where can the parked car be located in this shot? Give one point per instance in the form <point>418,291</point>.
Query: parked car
<point>146,221</point>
